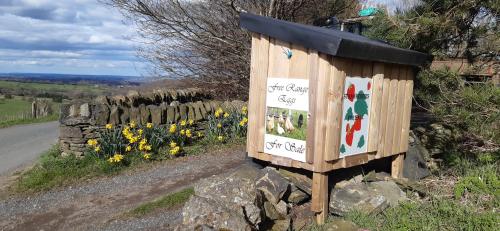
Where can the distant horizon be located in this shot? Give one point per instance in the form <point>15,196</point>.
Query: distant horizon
<point>55,73</point>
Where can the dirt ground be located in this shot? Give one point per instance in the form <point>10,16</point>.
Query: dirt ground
<point>100,204</point>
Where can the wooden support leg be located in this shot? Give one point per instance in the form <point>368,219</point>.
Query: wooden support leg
<point>320,196</point>
<point>397,165</point>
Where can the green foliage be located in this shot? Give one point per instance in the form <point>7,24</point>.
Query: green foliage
<point>167,201</point>
<point>224,125</point>
<point>472,110</point>
<point>437,214</point>
<point>478,184</point>
<point>443,28</point>
<point>16,110</point>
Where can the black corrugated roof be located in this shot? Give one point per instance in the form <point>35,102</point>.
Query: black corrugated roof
<point>333,42</point>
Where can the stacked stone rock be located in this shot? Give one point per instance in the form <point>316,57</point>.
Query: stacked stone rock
<point>80,121</point>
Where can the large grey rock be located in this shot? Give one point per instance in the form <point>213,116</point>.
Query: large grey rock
<point>301,181</point>
<point>372,197</point>
<point>145,114</point>
<point>415,167</point>
<point>114,115</point>
<point>124,115</point>
<point>135,114</point>
<point>85,110</point>
<point>233,193</point>
<point>200,211</point>
<point>156,114</point>
<point>100,114</point>
<point>296,196</point>
<point>272,185</point>
<point>70,132</point>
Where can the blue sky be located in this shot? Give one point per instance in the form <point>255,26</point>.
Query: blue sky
<point>67,36</point>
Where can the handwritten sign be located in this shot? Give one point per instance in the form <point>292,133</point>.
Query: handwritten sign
<point>288,93</point>
<point>355,116</point>
<point>287,104</point>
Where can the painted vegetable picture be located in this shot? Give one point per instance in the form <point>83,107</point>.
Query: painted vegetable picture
<point>355,116</point>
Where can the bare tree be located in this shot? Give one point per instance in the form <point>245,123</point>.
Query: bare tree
<point>202,40</point>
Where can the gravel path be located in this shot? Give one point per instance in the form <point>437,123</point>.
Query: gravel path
<point>100,204</point>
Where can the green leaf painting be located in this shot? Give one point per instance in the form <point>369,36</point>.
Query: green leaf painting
<point>349,115</point>
<point>342,148</point>
<point>361,141</point>
<point>360,106</point>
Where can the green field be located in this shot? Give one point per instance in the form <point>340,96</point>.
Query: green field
<point>18,111</point>
<point>50,87</point>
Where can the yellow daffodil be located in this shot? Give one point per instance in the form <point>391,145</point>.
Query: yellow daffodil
<point>146,156</point>
<point>143,141</point>
<point>132,124</point>
<point>244,109</point>
<point>219,125</point>
<point>116,158</point>
<point>218,112</point>
<point>199,134</point>
<point>147,147</point>
<point>149,125</point>
<point>173,144</point>
<point>97,149</point>
<point>174,151</point>
<point>188,133</point>
<point>183,122</point>
<point>109,126</point>
<point>220,138</point>
<point>140,131</point>
<point>92,142</point>
<point>183,132</point>
<point>191,122</point>
<point>172,128</point>
<point>226,115</point>
<point>128,148</point>
<point>243,121</point>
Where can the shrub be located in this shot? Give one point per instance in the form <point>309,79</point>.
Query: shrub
<point>471,111</point>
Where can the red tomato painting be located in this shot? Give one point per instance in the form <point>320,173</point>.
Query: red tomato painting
<point>351,92</point>
<point>369,85</point>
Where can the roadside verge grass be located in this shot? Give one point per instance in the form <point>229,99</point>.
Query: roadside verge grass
<point>53,170</point>
<point>164,202</point>
<point>9,123</point>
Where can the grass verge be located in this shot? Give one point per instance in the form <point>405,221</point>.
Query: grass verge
<point>4,124</point>
<point>164,202</point>
<point>53,170</point>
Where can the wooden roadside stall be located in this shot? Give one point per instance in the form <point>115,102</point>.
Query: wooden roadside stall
<point>323,99</point>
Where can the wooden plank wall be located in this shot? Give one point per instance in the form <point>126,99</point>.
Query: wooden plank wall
<point>392,88</point>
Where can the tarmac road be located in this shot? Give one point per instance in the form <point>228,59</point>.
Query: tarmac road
<point>21,145</point>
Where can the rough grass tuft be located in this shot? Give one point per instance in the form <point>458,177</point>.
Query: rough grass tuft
<point>165,202</point>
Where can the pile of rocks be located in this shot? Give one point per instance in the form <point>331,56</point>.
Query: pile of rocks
<point>270,199</point>
<point>248,199</point>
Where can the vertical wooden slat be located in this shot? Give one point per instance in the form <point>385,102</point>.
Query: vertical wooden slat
<point>376,105</point>
<point>403,146</point>
<point>313,62</point>
<point>253,96</point>
<point>400,101</point>
<point>391,112</point>
<point>397,165</point>
<point>334,114</point>
<point>298,63</point>
<point>320,111</point>
<point>319,200</point>
<point>261,83</point>
<point>384,111</point>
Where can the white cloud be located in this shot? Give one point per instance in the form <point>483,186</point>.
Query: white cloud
<point>39,32</point>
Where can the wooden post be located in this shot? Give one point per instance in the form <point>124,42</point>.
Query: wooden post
<point>397,165</point>
<point>319,203</point>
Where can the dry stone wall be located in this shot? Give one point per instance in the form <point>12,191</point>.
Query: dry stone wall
<point>80,121</point>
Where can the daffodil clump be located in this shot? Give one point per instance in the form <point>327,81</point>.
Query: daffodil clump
<point>117,144</point>
<point>223,125</point>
